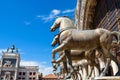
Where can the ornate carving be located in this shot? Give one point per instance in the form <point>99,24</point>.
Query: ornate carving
<point>7,76</point>
<point>7,64</point>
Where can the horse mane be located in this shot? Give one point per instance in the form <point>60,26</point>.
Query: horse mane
<point>63,16</point>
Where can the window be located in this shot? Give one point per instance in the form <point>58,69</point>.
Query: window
<point>34,78</point>
<point>30,73</point>
<point>34,73</point>
<point>20,73</point>
<point>105,14</point>
<point>23,73</point>
<point>23,78</point>
<point>11,78</point>
<point>19,77</point>
<point>30,78</point>
<point>1,78</point>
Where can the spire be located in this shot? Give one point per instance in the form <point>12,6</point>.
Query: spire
<point>12,48</point>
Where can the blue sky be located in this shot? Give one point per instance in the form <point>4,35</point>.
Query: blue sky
<point>26,23</point>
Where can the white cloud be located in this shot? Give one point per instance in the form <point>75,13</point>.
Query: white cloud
<point>28,63</point>
<point>68,11</point>
<point>2,50</point>
<point>42,66</point>
<point>27,23</point>
<point>53,14</point>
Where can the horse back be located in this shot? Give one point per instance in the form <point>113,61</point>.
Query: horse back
<point>84,35</point>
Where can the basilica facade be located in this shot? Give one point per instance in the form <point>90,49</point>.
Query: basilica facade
<point>10,68</point>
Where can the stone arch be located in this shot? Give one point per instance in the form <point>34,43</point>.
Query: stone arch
<point>89,13</point>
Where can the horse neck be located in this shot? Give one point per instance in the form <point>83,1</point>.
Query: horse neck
<point>66,25</point>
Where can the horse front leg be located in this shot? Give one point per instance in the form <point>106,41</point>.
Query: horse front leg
<point>55,40</point>
<point>55,66</point>
<point>58,49</point>
<point>61,58</point>
<point>61,47</point>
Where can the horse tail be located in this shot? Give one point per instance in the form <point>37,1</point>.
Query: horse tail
<point>116,34</point>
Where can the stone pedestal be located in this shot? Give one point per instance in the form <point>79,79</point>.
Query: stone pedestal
<point>107,78</point>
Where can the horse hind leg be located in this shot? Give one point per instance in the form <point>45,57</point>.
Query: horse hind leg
<point>105,45</point>
<point>69,61</point>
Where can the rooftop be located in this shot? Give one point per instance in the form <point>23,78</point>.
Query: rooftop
<point>50,76</point>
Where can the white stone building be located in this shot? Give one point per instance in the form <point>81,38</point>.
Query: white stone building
<point>10,68</point>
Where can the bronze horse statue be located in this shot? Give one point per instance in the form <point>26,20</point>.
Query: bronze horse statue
<point>76,55</point>
<point>85,40</point>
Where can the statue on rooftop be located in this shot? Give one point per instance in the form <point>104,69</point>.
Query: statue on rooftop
<point>12,48</point>
<point>7,49</point>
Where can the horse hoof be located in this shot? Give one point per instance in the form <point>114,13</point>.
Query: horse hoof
<point>68,77</point>
<point>102,74</point>
<point>87,78</point>
<point>54,72</point>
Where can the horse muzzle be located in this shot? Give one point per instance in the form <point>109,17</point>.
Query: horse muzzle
<point>51,29</point>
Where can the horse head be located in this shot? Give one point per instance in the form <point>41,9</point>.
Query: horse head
<point>117,36</point>
<point>61,22</point>
<point>55,24</point>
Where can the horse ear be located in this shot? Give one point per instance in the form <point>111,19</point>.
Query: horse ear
<point>66,16</point>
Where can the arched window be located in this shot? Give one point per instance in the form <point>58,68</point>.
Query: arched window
<point>107,14</point>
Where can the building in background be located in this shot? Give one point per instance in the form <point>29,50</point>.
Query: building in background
<point>10,68</point>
